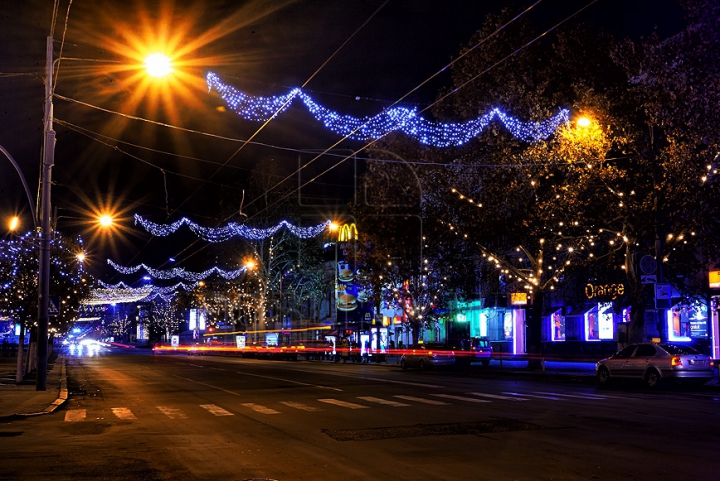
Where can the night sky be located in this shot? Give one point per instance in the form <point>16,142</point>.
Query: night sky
<point>106,158</point>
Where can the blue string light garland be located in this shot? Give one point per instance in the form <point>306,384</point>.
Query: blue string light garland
<point>180,272</point>
<point>221,234</point>
<point>400,119</point>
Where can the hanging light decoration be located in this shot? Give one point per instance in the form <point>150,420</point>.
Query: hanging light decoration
<point>221,234</point>
<point>180,272</point>
<point>394,119</point>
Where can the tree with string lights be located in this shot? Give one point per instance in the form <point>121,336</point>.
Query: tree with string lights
<point>19,273</point>
<point>636,176</point>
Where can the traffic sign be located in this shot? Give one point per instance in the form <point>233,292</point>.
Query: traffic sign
<point>53,305</point>
<point>663,295</point>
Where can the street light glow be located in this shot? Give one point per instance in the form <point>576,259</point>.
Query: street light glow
<point>105,220</point>
<point>584,122</point>
<point>158,65</point>
<point>14,223</point>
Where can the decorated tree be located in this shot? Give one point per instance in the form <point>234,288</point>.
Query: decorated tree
<point>632,173</point>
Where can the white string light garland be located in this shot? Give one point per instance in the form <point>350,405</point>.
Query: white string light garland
<point>222,234</point>
<point>180,272</point>
<point>395,119</point>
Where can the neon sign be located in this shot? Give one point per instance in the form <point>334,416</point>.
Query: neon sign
<point>607,291</point>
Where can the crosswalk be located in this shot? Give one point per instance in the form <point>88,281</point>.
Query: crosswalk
<point>359,402</point>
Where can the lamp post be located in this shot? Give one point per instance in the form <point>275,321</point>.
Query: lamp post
<point>44,268</point>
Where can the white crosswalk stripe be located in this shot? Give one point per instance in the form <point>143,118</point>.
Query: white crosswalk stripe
<point>422,400</point>
<point>461,398</point>
<point>216,410</point>
<point>123,413</point>
<point>172,413</point>
<point>497,396</point>
<point>593,397</point>
<point>386,402</point>
<point>301,406</point>
<point>537,396</point>
<point>74,415</point>
<point>344,404</point>
<point>260,409</point>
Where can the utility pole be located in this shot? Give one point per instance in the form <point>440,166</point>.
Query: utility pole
<point>44,268</point>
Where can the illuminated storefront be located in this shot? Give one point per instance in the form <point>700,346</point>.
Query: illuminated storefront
<point>503,326</point>
<point>687,322</point>
<point>595,323</point>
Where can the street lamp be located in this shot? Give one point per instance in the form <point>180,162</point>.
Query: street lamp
<point>14,223</point>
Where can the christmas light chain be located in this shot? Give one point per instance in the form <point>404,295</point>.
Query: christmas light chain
<point>222,234</point>
<point>180,272</point>
<point>400,119</point>
<point>159,289</point>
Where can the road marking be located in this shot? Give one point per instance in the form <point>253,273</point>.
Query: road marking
<point>123,413</point>
<point>422,400</point>
<point>206,384</point>
<point>344,404</point>
<point>216,410</point>
<point>260,409</point>
<point>538,396</point>
<point>289,381</point>
<point>375,379</point>
<point>301,406</point>
<point>497,396</point>
<point>75,415</point>
<point>578,396</point>
<point>462,398</point>
<point>172,413</point>
<point>386,402</point>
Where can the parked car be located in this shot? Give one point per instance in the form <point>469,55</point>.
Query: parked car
<point>652,363</point>
<point>427,356</point>
<point>468,351</point>
<point>481,351</point>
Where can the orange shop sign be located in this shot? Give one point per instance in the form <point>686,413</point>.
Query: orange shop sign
<point>714,279</point>
<point>604,291</point>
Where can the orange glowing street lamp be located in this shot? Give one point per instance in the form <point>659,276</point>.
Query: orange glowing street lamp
<point>158,65</point>
<point>105,220</point>
<point>14,223</point>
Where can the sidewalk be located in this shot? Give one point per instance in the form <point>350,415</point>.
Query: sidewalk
<point>18,401</point>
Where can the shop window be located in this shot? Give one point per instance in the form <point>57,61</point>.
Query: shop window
<point>507,326</point>
<point>606,325</point>
<point>557,326</point>
<point>687,322</point>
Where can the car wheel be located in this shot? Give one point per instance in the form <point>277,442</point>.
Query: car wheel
<point>423,366</point>
<point>486,362</point>
<point>403,365</point>
<point>603,376</point>
<point>652,379</point>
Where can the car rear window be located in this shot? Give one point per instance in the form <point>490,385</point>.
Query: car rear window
<point>644,350</point>
<point>679,350</point>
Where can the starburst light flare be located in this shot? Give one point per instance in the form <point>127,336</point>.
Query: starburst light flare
<point>400,119</point>
<point>222,234</point>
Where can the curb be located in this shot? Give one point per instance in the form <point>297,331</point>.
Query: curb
<point>61,399</point>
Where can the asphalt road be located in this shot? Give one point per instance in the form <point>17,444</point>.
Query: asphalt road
<point>138,416</point>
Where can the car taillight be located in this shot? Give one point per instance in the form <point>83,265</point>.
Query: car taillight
<point>676,361</point>
<point>430,353</point>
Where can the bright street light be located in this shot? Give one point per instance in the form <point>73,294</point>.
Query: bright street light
<point>105,220</point>
<point>158,65</point>
<point>14,223</point>
<point>584,122</point>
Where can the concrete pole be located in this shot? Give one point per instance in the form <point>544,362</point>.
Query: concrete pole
<point>44,272</point>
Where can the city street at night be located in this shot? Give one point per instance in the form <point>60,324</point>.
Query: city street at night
<point>372,240</point>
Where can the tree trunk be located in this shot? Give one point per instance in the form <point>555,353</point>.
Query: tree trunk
<point>534,331</point>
